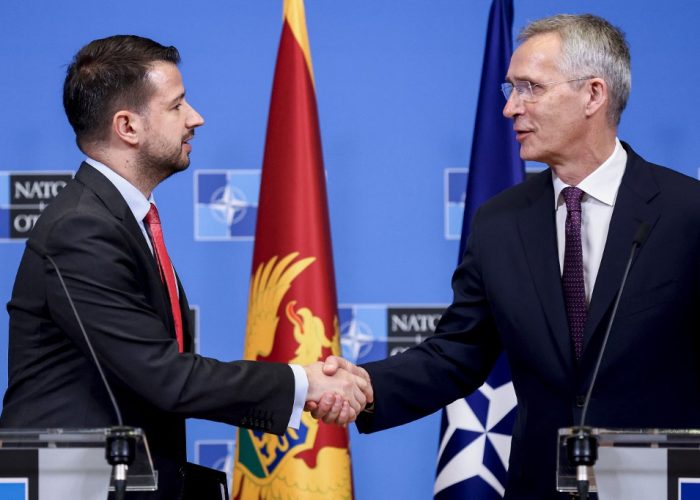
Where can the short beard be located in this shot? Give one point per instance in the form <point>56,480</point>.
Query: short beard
<point>154,169</point>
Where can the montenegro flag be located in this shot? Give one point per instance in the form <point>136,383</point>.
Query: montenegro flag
<point>292,311</point>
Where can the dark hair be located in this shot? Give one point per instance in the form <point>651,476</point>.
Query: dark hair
<point>107,75</point>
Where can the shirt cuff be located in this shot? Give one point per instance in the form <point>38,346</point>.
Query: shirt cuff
<point>301,388</point>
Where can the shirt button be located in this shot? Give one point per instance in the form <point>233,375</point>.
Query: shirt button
<point>580,401</point>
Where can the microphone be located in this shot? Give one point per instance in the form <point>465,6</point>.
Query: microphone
<point>582,447</point>
<point>120,445</point>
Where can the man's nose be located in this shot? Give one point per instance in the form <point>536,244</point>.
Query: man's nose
<point>513,105</point>
<point>194,119</point>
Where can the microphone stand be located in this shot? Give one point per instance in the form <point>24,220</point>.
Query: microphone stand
<point>119,452</point>
<point>120,447</point>
<point>582,447</point>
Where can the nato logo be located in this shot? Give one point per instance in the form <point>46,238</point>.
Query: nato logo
<point>455,194</point>
<point>455,186</point>
<point>216,454</point>
<point>475,440</point>
<point>362,332</point>
<point>226,204</point>
<point>369,332</point>
<point>23,196</point>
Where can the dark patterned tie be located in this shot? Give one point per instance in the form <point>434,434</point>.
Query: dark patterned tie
<point>572,277</point>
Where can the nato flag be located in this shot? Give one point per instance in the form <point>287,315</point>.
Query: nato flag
<point>475,431</point>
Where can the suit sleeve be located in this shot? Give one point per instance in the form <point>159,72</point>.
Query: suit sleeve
<point>108,278</point>
<point>447,366</point>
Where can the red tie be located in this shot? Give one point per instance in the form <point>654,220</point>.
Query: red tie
<point>166,269</point>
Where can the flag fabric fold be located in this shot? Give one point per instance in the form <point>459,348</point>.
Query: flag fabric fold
<point>292,307</point>
<point>475,431</point>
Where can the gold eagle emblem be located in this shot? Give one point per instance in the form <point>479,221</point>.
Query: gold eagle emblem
<point>268,287</point>
<point>272,466</point>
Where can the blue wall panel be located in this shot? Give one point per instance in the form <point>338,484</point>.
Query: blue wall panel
<point>397,86</point>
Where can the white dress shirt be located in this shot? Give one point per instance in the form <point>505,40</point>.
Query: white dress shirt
<point>600,192</point>
<point>139,206</point>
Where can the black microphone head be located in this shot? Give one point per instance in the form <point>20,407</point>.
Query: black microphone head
<point>641,235</point>
<point>37,247</point>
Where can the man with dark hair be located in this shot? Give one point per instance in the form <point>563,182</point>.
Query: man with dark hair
<point>125,99</point>
<point>107,75</point>
<point>544,263</point>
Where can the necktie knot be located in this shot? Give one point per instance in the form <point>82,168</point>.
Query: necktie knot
<point>572,198</point>
<point>152,216</point>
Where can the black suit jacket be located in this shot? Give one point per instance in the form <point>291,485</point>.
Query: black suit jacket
<point>114,281</point>
<point>508,297</point>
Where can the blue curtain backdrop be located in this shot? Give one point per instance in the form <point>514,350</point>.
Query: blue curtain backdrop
<point>397,86</point>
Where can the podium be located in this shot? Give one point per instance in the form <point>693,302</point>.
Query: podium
<point>53,464</point>
<point>639,464</point>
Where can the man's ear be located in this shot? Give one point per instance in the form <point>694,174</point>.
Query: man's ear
<point>597,96</point>
<point>128,126</point>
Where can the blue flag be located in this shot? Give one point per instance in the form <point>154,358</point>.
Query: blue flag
<point>475,431</point>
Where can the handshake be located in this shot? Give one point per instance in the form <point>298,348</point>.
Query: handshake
<point>338,390</point>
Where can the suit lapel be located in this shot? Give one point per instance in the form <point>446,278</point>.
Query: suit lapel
<point>632,207</point>
<point>537,227</point>
<point>115,203</point>
<point>187,332</point>
<point>113,200</point>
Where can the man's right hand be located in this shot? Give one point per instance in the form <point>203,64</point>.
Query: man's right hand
<point>333,406</point>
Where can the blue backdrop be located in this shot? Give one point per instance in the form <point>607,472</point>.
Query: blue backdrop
<point>397,86</point>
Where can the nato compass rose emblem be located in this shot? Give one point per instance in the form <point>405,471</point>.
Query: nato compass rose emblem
<point>228,204</point>
<point>355,339</point>
<point>225,204</point>
<point>475,444</point>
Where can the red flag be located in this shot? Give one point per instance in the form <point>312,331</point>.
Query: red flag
<point>292,311</point>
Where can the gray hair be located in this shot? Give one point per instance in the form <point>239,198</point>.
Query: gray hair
<point>590,46</point>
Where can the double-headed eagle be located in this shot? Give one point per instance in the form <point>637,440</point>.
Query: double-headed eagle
<point>270,283</point>
<point>292,477</point>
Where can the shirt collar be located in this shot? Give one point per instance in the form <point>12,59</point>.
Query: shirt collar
<point>601,184</point>
<point>137,202</point>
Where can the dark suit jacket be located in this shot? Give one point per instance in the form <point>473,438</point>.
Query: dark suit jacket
<point>113,280</point>
<point>508,297</point>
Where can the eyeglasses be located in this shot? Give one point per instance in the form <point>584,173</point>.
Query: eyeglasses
<point>530,92</point>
